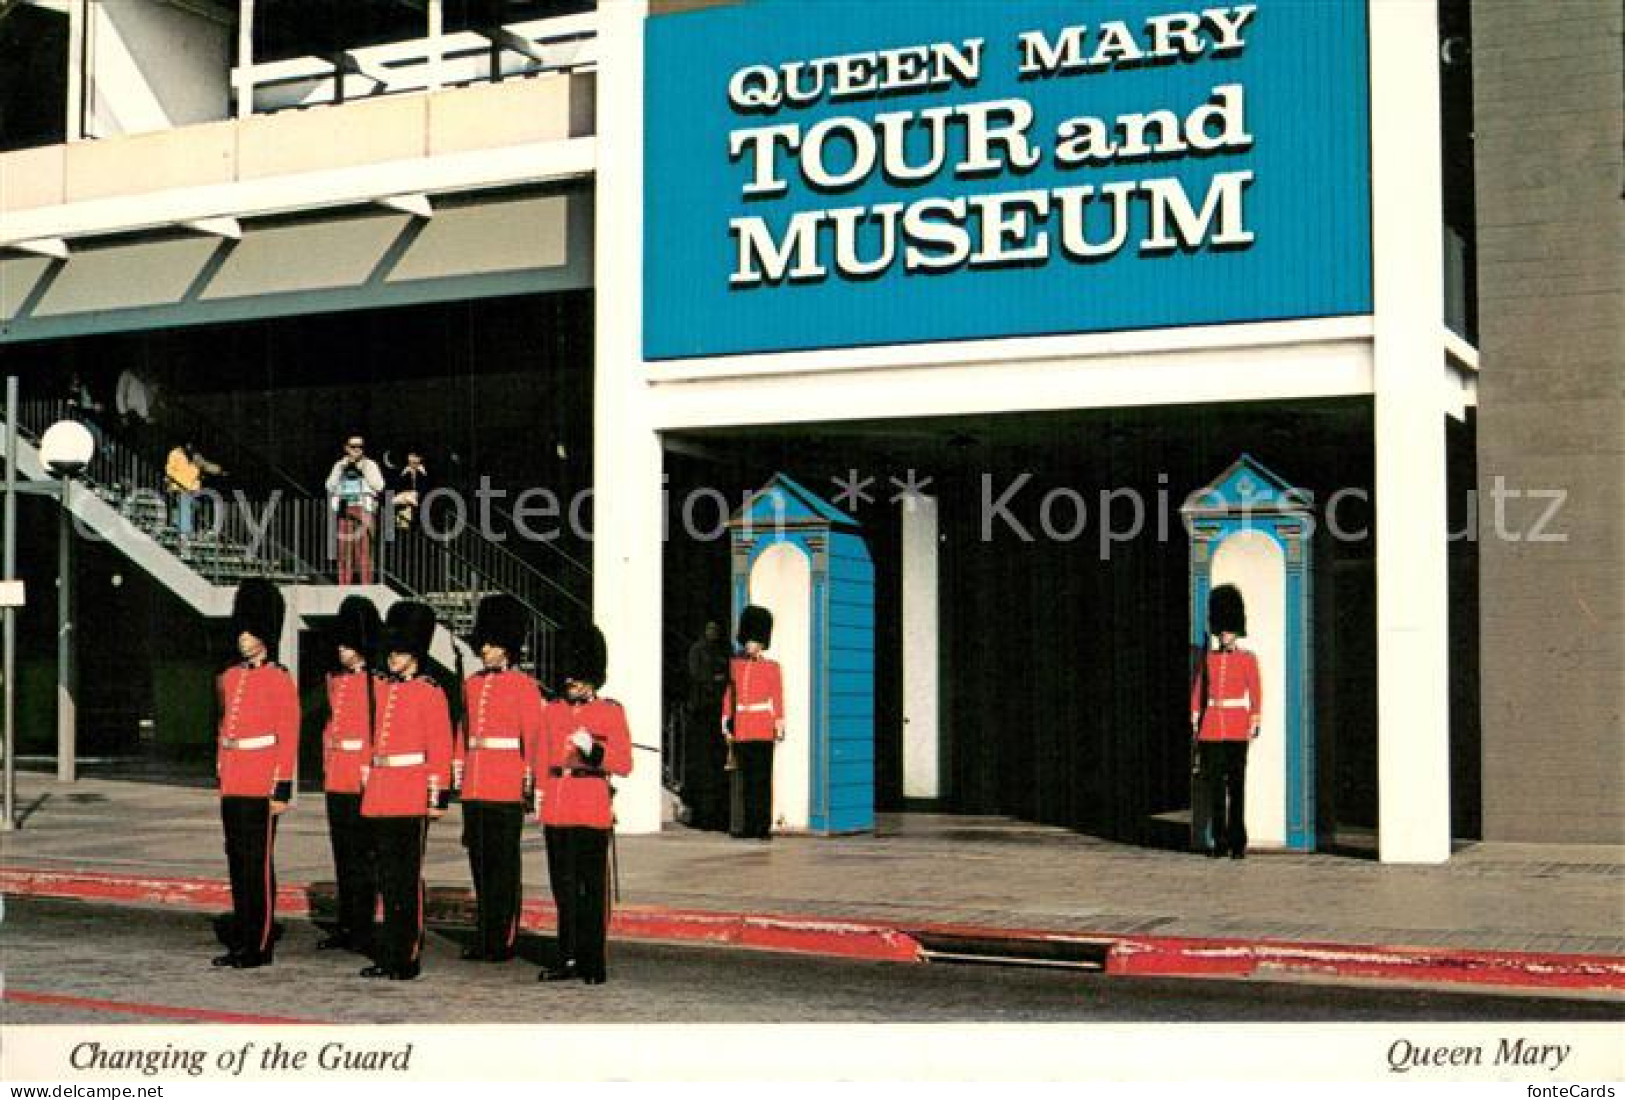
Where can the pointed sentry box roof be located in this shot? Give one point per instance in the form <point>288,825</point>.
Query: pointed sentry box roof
<point>1247,486</point>
<point>785,500</point>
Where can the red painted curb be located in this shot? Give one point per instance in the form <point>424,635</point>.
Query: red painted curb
<point>1126,955</point>
<point>136,1008</point>
<point>1425,965</point>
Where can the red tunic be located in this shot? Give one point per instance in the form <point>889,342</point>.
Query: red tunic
<point>346,735</point>
<point>410,758</point>
<point>581,799</point>
<point>258,741</point>
<point>504,719</point>
<point>1235,700</point>
<point>754,699</point>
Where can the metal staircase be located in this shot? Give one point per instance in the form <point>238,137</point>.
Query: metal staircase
<point>288,536</point>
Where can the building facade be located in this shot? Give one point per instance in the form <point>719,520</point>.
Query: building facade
<point>1008,287</point>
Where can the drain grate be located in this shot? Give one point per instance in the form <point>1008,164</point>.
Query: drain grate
<point>994,950</point>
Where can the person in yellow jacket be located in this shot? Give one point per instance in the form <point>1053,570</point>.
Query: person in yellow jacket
<point>184,471</point>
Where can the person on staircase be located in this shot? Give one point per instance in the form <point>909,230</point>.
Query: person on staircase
<point>184,471</point>
<point>492,772</point>
<point>354,487</point>
<point>411,487</point>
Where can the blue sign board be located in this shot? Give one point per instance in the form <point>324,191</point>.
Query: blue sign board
<point>835,174</point>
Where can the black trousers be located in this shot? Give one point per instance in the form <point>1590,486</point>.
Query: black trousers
<point>491,835</point>
<point>1224,771</point>
<point>353,867</point>
<point>578,869</point>
<point>250,859</point>
<point>753,815</point>
<point>397,847</point>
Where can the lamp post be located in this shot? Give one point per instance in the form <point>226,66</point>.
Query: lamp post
<point>66,448</point>
<point>8,786</point>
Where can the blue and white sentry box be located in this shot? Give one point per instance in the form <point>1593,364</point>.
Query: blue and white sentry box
<point>842,173</point>
<point>805,560</point>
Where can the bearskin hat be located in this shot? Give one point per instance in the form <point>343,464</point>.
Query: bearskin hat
<point>258,609</point>
<point>583,656</point>
<point>501,620</point>
<point>409,628</point>
<point>756,625</point>
<point>1226,613</point>
<point>357,626</point>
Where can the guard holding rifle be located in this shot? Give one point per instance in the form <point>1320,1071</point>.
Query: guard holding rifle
<point>584,742</point>
<point>352,689</point>
<point>405,785</point>
<point>490,768</point>
<point>256,760</point>
<point>752,723</point>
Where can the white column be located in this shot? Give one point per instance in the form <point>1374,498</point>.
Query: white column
<point>626,449</point>
<point>1413,708</point>
<point>921,736</point>
<point>437,45</point>
<point>245,58</point>
<point>79,80</point>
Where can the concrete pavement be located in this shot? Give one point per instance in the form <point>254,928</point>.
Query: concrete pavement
<point>1520,916</point>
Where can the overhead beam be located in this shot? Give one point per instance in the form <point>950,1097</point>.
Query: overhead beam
<point>53,247</point>
<point>416,205</point>
<point>229,228</point>
<point>481,170</point>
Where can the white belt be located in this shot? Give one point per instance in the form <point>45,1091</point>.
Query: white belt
<point>1228,703</point>
<point>494,743</point>
<point>264,741</point>
<point>400,760</point>
<point>349,746</point>
<point>752,707</point>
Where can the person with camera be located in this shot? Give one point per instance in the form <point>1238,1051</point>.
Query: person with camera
<point>354,486</point>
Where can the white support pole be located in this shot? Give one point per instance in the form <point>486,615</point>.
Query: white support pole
<point>78,58</point>
<point>921,686</point>
<point>245,58</point>
<point>627,482</point>
<point>437,30</point>
<point>1413,703</point>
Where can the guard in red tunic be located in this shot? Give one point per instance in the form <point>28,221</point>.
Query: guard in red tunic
<point>405,784</point>
<point>352,689</point>
<point>752,723</point>
<point>491,770</point>
<point>256,760</point>
<point>584,742</point>
<point>1226,720</point>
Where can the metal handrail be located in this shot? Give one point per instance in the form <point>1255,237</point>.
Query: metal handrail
<point>295,537</point>
<point>218,442</point>
<point>235,541</point>
<point>561,44</point>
